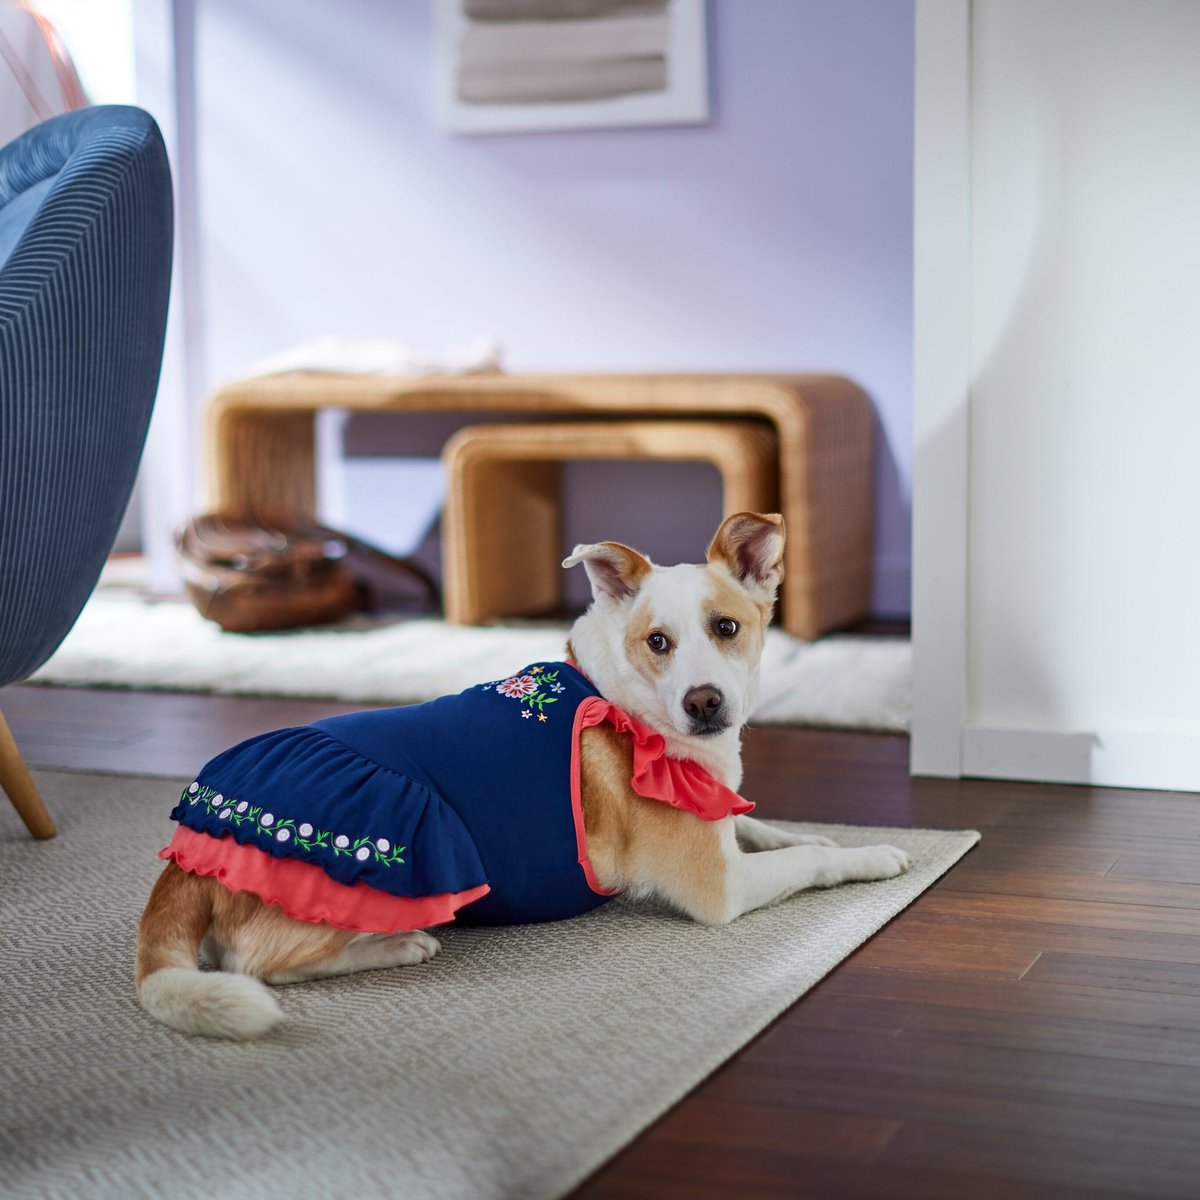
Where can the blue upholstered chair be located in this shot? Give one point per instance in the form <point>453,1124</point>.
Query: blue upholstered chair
<point>85,267</point>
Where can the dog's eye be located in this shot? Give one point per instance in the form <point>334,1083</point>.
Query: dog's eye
<point>659,643</point>
<point>726,627</point>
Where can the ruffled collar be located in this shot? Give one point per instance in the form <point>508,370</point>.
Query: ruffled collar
<point>679,782</point>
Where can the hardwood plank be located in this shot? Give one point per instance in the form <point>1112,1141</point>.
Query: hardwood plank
<point>947,955</point>
<point>1000,1071</point>
<point>1124,974</point>
<point>992,855</point>
<point>1144,918</point>
<point>1061,886</point>
<point>1034,998</point>
<point>1183,867</point>
<point>1049,1158</point>
<point>1019,936</point>
<point>1016,1030</point>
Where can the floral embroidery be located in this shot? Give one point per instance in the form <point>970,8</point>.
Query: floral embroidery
<point>526,689</point>
<point>268,825</point>
<point>517,686</point>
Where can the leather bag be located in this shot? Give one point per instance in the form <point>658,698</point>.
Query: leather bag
<point>250,576</point>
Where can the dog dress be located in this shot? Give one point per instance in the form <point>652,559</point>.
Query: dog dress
<point>467,807</point>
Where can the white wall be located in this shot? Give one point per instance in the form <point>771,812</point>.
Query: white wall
<point>776,237</point>
<point>1077,652</point>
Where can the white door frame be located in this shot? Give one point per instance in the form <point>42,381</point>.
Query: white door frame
<point>942,382</point>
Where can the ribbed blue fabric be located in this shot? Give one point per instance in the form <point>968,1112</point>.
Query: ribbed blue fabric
<point>84,278</point>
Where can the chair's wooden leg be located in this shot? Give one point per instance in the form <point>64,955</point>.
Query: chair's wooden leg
<point>22,791</point>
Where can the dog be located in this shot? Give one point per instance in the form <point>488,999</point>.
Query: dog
<point>662,669</point>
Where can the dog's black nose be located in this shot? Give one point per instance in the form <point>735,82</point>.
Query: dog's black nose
<point>703,704</point>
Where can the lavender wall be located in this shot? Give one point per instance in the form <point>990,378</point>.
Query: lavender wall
<point>777,237</point>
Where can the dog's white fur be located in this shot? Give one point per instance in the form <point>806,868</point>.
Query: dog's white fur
<point>711,871</point>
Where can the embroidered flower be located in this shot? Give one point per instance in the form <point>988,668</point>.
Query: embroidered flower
<point>305,830</point>
<point>218,800</point>
<point>243,805</point>
<point>363,853</point>
<point>382,845</point>
<point>543,717</point>
<point>224,814</point>
<point>517,686</point>
<point>527,714</point>
<point>557,687</point>
<point>535,670</point>
<point>341,841</point>
<point>267,819</point>
<point>193,788</point>
<point>282,835</point>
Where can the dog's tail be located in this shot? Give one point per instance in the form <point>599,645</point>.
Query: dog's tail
<point>170,984</point>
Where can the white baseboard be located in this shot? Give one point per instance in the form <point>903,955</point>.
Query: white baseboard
<point>1168,762</point>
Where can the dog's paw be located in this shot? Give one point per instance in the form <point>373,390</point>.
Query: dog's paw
<point>424,944</point>
<point>755,835</point>
<point>406,949</point>
<point>883,862</point>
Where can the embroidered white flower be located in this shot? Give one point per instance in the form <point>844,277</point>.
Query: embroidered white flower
<point>527,714</point>
<point>283,827</point>
<point>517,686</point>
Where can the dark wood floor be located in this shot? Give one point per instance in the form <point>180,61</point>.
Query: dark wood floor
<point>1030,1027</point>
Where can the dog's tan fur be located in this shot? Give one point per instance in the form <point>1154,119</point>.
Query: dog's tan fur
<point>642,846</point>
<point>710,870</point>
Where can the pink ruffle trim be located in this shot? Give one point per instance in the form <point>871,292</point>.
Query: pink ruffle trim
<point>305,892</point>
<point>678,782</point>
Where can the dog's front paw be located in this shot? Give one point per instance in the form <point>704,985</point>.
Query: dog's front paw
<point>883,862</point>
<point>753,835</point>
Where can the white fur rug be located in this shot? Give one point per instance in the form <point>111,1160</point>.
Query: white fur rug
<point>122,640</point>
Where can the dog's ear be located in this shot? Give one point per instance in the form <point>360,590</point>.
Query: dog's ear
<point>616,572</point>
<point>751,546</point>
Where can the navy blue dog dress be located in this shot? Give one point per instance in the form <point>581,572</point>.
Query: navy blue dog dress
<point>399,818</point>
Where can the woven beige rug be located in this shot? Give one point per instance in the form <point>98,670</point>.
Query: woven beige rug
<point>512,1065</point>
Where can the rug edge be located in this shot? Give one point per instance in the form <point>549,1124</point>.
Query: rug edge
<point>971,838</point>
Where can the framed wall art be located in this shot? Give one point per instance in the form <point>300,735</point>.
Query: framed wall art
<point>511,65</point>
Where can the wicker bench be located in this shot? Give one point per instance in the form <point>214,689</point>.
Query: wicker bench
<point>259,451</point>
<point>501,528</point>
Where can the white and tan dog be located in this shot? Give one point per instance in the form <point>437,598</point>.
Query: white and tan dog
<point>678,648</point>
